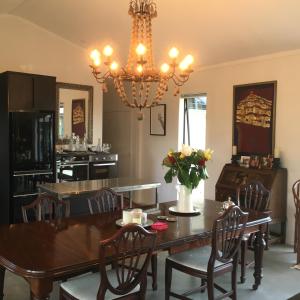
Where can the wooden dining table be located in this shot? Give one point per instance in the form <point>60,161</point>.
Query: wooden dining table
<point>43,252</point>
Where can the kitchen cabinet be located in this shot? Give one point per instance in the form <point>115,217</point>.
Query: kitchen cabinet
<point>30,92</point>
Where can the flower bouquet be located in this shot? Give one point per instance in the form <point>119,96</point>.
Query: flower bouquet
<point>189,166</point>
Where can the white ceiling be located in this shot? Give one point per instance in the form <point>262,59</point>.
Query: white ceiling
<point>214,31</point>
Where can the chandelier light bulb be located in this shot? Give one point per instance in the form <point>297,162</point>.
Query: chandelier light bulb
<point>97,62</point>
<point>189,59</point>
<point>95,54</point>
<point>165,68</point>
<point>183,66</point>
<point>173,53</point>
<point>140,49</point>
<point>108,51</point>
<point>114,66</point>
<point>140,69</point>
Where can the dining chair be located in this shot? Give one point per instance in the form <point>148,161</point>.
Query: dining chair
<point>45,207</point>
<point>212,261</point>
<point>254,196</point>
<point>296,194</point>
<point>131,247</point>
<point>106,200</point>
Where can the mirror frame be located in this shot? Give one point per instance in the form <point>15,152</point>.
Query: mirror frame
<point>80,87</point>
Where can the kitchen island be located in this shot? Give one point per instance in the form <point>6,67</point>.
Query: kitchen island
<point>119,185</point>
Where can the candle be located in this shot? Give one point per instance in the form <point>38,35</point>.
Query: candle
<point>276,153</point>
<point>234,150</point>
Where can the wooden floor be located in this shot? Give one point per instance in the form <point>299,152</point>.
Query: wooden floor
<point>280,282</point>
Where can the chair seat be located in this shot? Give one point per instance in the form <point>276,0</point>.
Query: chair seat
<point>86,287</point>
<point>195,259</point>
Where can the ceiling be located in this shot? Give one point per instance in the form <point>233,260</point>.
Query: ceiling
<point>214,31</point>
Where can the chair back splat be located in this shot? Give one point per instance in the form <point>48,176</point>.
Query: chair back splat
<point>45,207</point>
<point>105,200</point>
<point>228,230</point>
<point>130,251</point>
<point>253,195</point>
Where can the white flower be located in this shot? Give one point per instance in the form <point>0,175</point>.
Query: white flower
<point>186,150</point>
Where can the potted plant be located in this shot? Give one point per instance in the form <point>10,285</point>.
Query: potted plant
<point>189,166</point>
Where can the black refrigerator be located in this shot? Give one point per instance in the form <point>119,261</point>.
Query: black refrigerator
<point>32,156</point>
<point>27,139</point>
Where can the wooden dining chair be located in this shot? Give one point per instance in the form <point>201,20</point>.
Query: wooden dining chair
<point>254,196</point>
<point>45,207</point>
<point>296,194</point>
<point>212,261</point>
<point>131,247</point>
<point>105,200</point>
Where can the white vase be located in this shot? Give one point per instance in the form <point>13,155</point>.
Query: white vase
<point>185,202</point>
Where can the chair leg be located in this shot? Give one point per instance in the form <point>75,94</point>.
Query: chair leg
<point>267,236</point>
<point>168,279</point>
<point>233,278</point>
<point>210,286</point>
<point>154,271</point>
<point>203,282</point>
<point>243,260</point>
<point>296,234</point>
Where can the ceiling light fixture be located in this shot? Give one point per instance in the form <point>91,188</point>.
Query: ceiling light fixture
<point>147,84</point>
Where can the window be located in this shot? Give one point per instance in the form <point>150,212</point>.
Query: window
<point>192,127</point>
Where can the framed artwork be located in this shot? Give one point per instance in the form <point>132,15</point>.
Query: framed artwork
<point>78,117</point>
<point>158,120</point>
<point>245,161</point>
<point>254,118</point>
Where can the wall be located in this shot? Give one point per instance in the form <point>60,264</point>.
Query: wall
<point>218,83</point>
<point>25,47</point>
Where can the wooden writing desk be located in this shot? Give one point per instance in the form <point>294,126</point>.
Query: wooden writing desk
<point>43,252</point>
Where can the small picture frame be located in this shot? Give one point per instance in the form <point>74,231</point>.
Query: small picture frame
<point>245,161</point>
<point>267,162</point>
<point>254,162</point>
<point>158,120</point>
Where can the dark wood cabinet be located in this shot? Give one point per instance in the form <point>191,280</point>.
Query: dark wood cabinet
<point>274,180</point>
<point>30,92</point>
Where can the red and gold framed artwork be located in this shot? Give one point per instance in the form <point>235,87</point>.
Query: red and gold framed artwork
<point>254,118</point>
<point>78,117</point>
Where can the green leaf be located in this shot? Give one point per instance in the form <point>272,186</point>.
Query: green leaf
<point>169,176</point>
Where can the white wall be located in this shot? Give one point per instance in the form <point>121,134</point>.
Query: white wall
<point>26,47</point>
<point>218,83</point>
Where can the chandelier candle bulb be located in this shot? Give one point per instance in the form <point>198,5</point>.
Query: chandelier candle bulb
<point>108,51</point>
<point>165,68</point>
<point>173,53</point>
<point>114,66</point>
<point>140,49</point>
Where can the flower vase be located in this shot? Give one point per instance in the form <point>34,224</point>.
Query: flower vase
<point>185,202</point>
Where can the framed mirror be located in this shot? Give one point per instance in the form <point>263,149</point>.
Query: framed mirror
<point>74,111</point>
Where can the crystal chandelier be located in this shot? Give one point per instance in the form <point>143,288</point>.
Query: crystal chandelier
<point>140,84</point>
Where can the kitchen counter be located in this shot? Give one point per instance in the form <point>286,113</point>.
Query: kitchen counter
<point>119,185</point>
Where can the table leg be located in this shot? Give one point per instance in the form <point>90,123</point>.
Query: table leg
<point>2,275</point>
<point>259,245</point>
<point>40,288</point>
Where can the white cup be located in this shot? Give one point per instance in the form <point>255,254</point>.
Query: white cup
<point>127,217</point>
<point>144,218</point>
<point>136,215</point>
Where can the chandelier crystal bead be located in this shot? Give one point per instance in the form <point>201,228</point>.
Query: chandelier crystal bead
<point>145,84</point>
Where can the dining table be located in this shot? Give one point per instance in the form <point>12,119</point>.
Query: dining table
<point>46,251</point>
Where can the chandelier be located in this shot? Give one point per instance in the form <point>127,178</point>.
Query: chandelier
<point>139,83</point>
